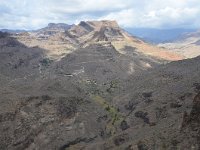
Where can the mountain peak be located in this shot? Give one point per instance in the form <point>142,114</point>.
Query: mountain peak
<point>92,25</point>
<point>53,28</point>
<point>58,26</point>
<point>85,27</point>
<point>104,23</point>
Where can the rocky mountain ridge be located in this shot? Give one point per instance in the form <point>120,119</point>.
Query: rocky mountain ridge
<point>87,33</point>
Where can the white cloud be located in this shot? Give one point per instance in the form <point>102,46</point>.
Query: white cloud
<point>31,14</point>
<point>158,16</point>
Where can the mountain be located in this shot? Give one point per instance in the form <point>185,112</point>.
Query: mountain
<point>159,104</point>
<point>12,31</point>
<point>57,26</point>
<point>90,33</point>
<point>94,86</point>
<point>53,28</point>
<point>157,36</point>
<point>188,45</point>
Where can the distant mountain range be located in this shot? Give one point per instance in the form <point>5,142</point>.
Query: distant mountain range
<point>150,35</point>
<point>187,45</point>
<point>156,36</point>
<point>12,31</point>
<point>51,27</point>
<point>86,33</point>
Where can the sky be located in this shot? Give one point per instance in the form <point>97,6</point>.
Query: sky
<point>35,14</point>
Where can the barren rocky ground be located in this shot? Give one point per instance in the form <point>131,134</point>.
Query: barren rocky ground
<point>93,86</point>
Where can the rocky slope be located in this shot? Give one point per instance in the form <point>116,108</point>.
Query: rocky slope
<point>99,94</point>
<point>158,106</point>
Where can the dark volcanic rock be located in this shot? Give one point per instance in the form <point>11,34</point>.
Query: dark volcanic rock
<point>142,115</point>
<point>124,125</point>
<point>67,107</point>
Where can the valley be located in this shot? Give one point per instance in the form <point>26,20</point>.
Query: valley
<point>95,86</point>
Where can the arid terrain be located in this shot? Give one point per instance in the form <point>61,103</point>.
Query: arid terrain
<point>187,45</point>
<point>93,86</point>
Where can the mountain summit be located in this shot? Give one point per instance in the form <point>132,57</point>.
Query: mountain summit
<point>56,26</point>
<point>88,33</point>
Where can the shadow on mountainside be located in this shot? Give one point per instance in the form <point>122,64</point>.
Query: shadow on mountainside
<point>89,100</point>
<point>38,109</point>
<point>18,60</point>
<point>44,107</point>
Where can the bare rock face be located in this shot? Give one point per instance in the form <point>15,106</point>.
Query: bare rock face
<point>91,29</point>
<point>105,23</point>
<point>56,27</point>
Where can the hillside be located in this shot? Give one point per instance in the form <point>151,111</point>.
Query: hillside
<point>157,36</point>
<point>94,86</point>
<point>187,45</point>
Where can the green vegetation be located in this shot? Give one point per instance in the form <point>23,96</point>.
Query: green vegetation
<point>46,61</point>
<point>112,86</point>
<point>116,117</point>
<point>96,93</point>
